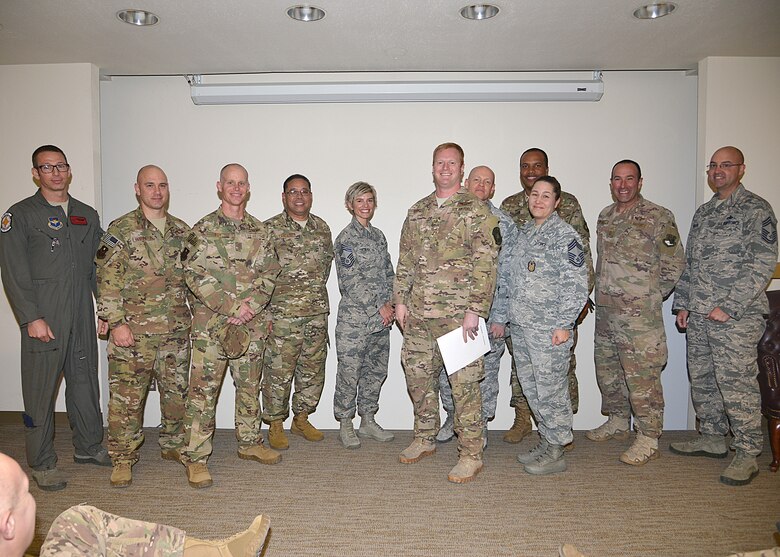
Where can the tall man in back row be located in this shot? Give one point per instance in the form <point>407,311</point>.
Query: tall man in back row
<point>534,164</point>
<point>47,249</point>
<point>445,279</point>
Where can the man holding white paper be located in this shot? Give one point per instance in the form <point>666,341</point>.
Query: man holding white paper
<point>445,279</point>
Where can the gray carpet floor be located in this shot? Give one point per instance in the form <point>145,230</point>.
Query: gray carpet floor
<point>326,500</point>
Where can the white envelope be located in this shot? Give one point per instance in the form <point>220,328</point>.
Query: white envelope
<point>458,354</point>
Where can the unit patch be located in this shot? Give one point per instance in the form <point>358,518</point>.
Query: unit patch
<point>347,257</point>
<point>576,254</point>
<point>670,241</point>
<point>55,223</point>
<point>5,223</point>
<point>768,230</point>
<point>497,235</point>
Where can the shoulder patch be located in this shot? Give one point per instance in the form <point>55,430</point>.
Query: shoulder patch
<point>670,240</point>
<point>346,256</point>
<point>5,223</point>
<point>110,240</point>
<point>576,253</point>
<point>108,243</point>
<point>768,230</point>
<point>497,235</point>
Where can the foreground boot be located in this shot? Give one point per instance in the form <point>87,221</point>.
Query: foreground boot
<point>551,461</point>
<point>276,436</point>
<point>198,475</point>
<point>369,428</point>
<point>122,474</point>
<point>301,426</point>
<point>347,434</point>
<point>530,456</point>
<point>741,471</point>
<point>447,430</point>
<point>244,544</point>
<point>259,453</point>
<point>568,550</point>
<point>711,446</point>
<point>615,427</point>
<point>642,451</point>
<point>418,450</point>
<point>50,480</point>
<point>465,470</point>
<point>521,427</point>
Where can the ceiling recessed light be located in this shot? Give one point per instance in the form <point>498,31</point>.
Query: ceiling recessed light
<point>654,11</point>
<point>479,11</point>
<point>306,13</point>
<point>137,17</point>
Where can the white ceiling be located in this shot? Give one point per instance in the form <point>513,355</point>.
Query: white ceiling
<point>238,36</point>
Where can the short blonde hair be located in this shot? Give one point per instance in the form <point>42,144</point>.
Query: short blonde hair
<point>356,189</point>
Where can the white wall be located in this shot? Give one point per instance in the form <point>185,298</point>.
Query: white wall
<point>44,104</point>
<point>648,116</point>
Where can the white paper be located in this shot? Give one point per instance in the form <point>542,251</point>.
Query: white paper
<point>458,354</point>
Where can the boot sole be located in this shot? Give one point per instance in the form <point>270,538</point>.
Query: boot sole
<point>260,460</point>
<point>465,480</point>
<point>699,453</point>
<point>418,458</point>
<point>52,487</point>
<point>514,440</point>
<point>374,437</point>
<point>731,481</point>
<point>122,483</point>
<point>351,447</point>
<point>619,435</point>
<point>300,433</point>
<point>201,484</point>
<point>641,462</point>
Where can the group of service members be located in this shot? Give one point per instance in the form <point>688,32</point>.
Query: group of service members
<point>182,305</point>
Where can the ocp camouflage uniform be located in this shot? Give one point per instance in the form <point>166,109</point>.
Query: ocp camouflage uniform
<point>229,262</point>
<point>446,267</point>
<point>516,206</point>
<point>489,385</point>
<point>298,343</point>
<point>140,277</point>
<point>640,258</point>
<point>86,530</point>
<point>543,286</point>
<point>731,256</point>
<point>365,275</point>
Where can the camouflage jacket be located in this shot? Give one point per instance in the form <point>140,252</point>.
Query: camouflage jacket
<point>305,255</point>
<point>365,274</point>
<point>516,206</point>
<point>447,261</point>
<point>229,261</point>
<point>731,256</point>
<point>640,256</point>
<point>509,234</point>
<point>140,275</point>
<point>544,280</point>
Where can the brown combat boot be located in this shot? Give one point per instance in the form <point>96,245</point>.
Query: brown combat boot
<point>276,436</point>
<point>465,470</point>
<point>419,449</point>
<point>244,544</point>
<point>521,428</point>
<point>122,474</point>
<point>259,453</point>
<point>301,426</point>
<point>198,475</point>
<point>171,454</point>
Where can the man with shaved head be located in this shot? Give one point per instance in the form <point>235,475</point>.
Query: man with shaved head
<point>143,297</point>
<point>731,256</point>
<point>17,509</point>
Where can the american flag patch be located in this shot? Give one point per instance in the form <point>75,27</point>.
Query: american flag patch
<point>110,240</point>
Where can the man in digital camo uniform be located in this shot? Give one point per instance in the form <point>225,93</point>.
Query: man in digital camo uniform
<point>482,183</point>
<point>445,278</point>
<point>143,297</point>
<point>640,258</point>
<point>731,256</point>
<point>298,343</point>
<point>534,164</point>
<point>231,269</point>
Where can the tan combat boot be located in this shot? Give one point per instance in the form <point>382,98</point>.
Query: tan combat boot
<point>521,428</point>
<point>122,474</point>
<point>244,544</point>
<point>198,475</point>
<point>616,427</point>
<point>643,450</point>
<point>418,450</point>
<point>301,426</point>
<point>259,453</point>
<point>276,436</point>
<point>465,470</point>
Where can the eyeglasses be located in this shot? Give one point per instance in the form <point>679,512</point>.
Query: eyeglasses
<point>302,193</point>
<point>722,166</point>
<point>49,168</point>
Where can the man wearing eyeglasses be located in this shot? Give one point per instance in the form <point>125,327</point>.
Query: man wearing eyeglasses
<point>47,248</point>
<point>720,302</point>
<point>298,313</point>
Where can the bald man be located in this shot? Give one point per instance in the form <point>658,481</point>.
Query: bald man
<point>142,295</point>
<point>17,509</point>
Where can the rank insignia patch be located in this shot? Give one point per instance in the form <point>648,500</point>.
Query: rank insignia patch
<point>670,241</point>
<point>102,251</point>
<point>576,254</point>
<point>768,230</point>
<point>497,235</point>
<point>5,223</point>
<point>55,223</point>
<point>531,266</point>
<point>347,257</point>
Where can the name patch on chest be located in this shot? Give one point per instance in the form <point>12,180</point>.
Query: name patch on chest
<point>79,221</point>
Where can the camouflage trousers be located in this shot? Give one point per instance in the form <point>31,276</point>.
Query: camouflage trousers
<point>362,369</point>
<point>518,400</point>
<point>208,371</point>
<point>630,353</point>
<point>488,387</point>
<point>723,371</point>
<point>164,358</point>
<point>297,348</point>
<point>542,372</point>
<point>422,364</point>
<point>85,530</point>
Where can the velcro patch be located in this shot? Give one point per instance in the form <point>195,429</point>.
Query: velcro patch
<point>576,254</point>
<point>108,243</point>
<point>347,257</point>
<point>768,230</point>
<point>5,223</point>
<point>110,240</point>
<point>497,235</point>
<point>670,241</point>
